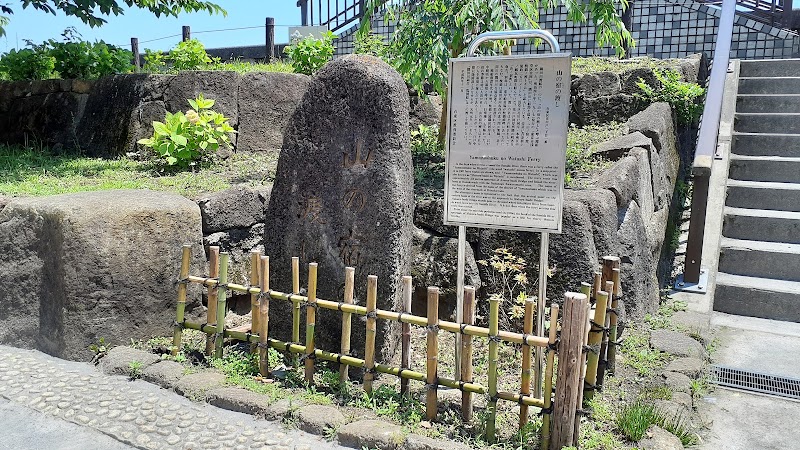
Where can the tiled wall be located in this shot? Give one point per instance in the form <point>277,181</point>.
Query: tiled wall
<point>662,29</point>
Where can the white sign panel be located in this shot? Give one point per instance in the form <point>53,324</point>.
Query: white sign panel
<point>507,141</point>
<point>316,31</point>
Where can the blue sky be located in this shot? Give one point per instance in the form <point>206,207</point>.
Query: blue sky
<point>39,26</point>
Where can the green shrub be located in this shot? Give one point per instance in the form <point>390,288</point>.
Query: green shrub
<point>28,64</point>
<point>686,98</point>
<point>189,55</point>
<point>182,140</point>
<point>635,418</point>
<point>309,54</point>
<point>371,44</point>
<point>154,61</point>
<point>84,60</point>
<point>425,142</point>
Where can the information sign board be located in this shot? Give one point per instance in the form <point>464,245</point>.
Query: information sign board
<point>507,141</point>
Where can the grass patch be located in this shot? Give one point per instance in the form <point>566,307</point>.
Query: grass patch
<point>34,172</point>
<point>634,419</point>
<point>247,67</point>
<point>580,160</point>
<point>638,354</point>
<point>582,66</point>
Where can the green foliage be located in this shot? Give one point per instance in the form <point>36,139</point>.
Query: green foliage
<point>99,348</point>
<point>79,59</point>
<point>309,54</point>
<point>90,12</point>
<point>508,273</point>
<point>385,401</point>
<point>27,64</point>
<point>135,370</point>
<point>247,67</point>
<point>425,142</point>
<point>189,55</point>
<point>685,98</point>
<point>154,61</point>
<point>634,419</point>
<point>639,355</point>
<point>594,64</point>
<point>372,44</point>
<point>580,159</point>
<point>182,140</point>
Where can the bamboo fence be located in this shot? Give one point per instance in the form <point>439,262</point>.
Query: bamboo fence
<point>560,415</point>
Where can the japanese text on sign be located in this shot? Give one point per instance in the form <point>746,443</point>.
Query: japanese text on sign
<point>507,137</point>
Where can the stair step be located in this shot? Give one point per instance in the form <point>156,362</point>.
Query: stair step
<point>769,68</point>
<point>772,103</point>
<point>762,225</point>
<point>769,85</point>
<point>750,258</point>
<point>786,123</point>
<point>766,144</point>
<point>763,195</point>
<point>765,168</point>
<point>757,297</point>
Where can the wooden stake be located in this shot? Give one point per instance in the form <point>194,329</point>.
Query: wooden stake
<point>548,377</point>
<point>255,272</point>
<point>186,256</point>
<point>432,361</point>
<point>349,281</point>
<point>263,307</point>
<point>222,296</point>
<point>311,320</point>
<point>405,356</point>
<point>570,350</point>
<point>211,313</point>
<point>587,325</point>
<point>296,303</point>
<point>597,286</point>
<point>466,353</point>
<point>494,308</point>
<point>369,346</point>
<point>595,338</point>
<point>612,333</point>
<point>525,388</point>
<point>601,366</point>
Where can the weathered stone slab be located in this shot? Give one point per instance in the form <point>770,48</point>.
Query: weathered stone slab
<point>237,207</point>
<point>619,147</point>
<point>239,400</point>
<point>689,366</point>
<point>164,373</point>
<point>659,439</point>
<point>267,102</point>
<point>318,419</point>
<point>195,386</point>
<point>657,123</point>
<point>426,111</point>
<point>598,84</point>
<point>372,434</point>
<point>343,193</point>
<point>118,360</point>
<point>678,382</point>
<point>644,191</point>
<point>676,343</point>
<point>638,269</point>
<point>630,79</point>
<point>602,206</point>
<point>436,264</point>
<point>222,86</point>
<point>71,272</point>
<point>622,179</point>
<point>238,242</point>
<point>417,442</point>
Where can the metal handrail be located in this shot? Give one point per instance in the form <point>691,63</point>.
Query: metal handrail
<point>707,143</point>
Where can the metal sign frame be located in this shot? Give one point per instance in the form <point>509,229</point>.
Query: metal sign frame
<point>545,240</point>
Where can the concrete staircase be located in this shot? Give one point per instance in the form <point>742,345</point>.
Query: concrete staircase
<point>759,261</point>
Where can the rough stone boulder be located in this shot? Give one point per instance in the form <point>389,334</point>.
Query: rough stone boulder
<point>436,264</point>
<point>343,194</point>
<point>78,267</point>
<point>266,103</point>
<point>657,123</point>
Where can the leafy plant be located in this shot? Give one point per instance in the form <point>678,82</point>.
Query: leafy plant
<point>189,55</point>
<point>635,418</point>
<point>154,61</point>
<point>100,349</point>
<point>85,60</point>
<point>28,64</point>
<point>684,97</point>
<point>372,44</point>
<point>309,54</point>
<point>184,139</point>
<point>135,370</point>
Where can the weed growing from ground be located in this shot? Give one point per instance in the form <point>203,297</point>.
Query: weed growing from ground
<point>135,370</point>
<point>639,355</point>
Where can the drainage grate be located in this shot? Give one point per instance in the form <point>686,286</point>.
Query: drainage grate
<point>755,381</point>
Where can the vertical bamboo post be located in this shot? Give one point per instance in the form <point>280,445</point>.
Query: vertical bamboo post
<point>211,313</point>
<point>597,286</point>
<point>296,304</point>
<point>405,354</point>
<point>601,366</point>
<point>269,54</point>
<point>347,321</point>
<point>369,345</point>
<point>612,334</point>
<point>595,337</point>
<point>222,296</point>
<point>494,310</point>
<point>587,325</point>
<point>263,330</point>
<point>432,361</point>
<point>186,255</point>
<point>255,273</point>
<point>311,320</point>
<point>570,350</point>
<point>466,353</point>
<point>548,377</point>
<point>137,59</point>
<point>186,33</point>
<point>525,388</point>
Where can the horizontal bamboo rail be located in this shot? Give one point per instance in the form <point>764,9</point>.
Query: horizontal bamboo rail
<point>453,327</point>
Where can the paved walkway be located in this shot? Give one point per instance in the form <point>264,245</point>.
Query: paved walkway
<point>65,405</point>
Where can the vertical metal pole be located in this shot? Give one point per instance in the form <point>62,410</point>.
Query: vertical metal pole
<point>544,247</point>
<point>628,22</point>
<point>270,40</point>
<point>137,63</point>
<point>303,5</point>
<point>187,33</point>
<point>697,224</point>
<point>462,252</point>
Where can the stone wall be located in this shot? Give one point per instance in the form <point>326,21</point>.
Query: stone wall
<point>106,117</point>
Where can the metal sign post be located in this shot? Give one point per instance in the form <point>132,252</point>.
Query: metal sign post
<point>529,209</point>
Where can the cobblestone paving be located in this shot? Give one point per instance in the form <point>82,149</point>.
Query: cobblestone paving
<point>136,413</point>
